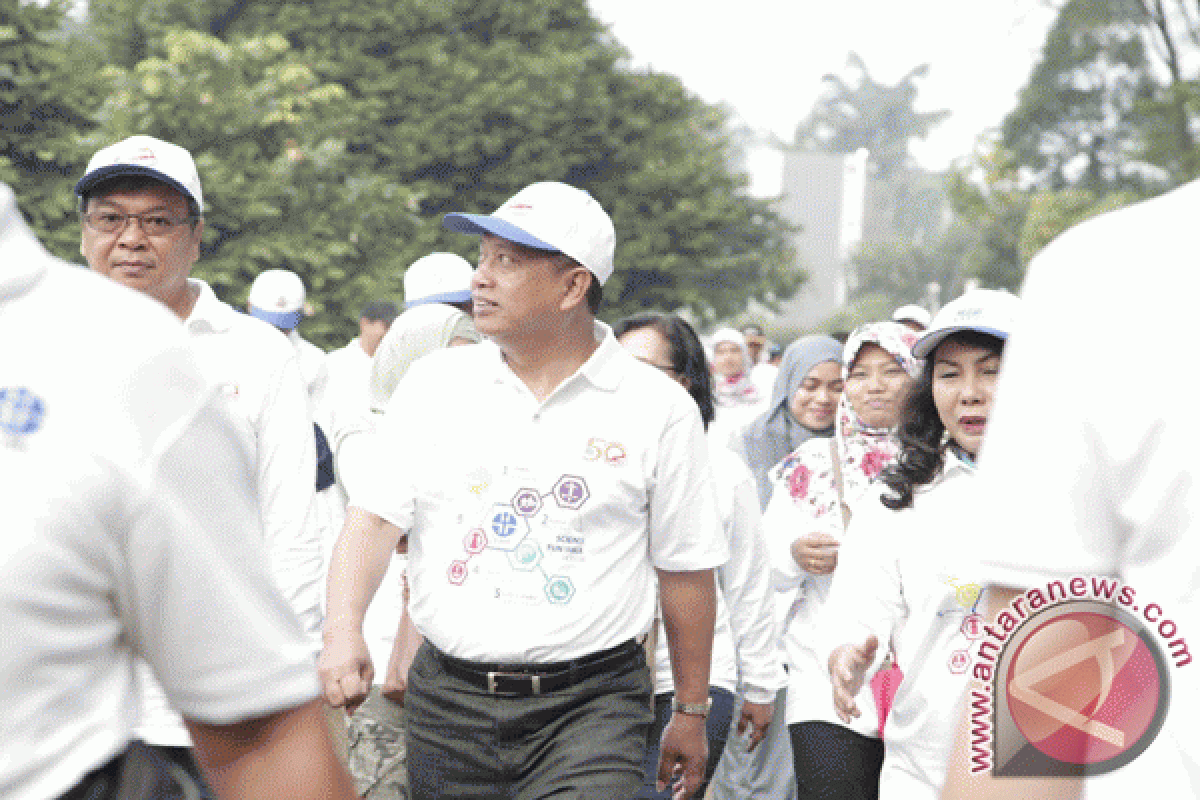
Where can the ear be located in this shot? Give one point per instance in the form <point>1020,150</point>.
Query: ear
<point>576,282</point>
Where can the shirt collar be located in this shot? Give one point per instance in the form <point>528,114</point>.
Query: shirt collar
<point>209,314</point>
<point>603,369</point>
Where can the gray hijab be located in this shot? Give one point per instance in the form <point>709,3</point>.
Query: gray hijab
<point>775,433</point>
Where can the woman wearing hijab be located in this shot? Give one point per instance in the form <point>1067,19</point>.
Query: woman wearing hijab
<point>816,488</point>
<point>731,367</point>
<point>376,730</point>
<point>803,405</point>
<point>904,576</point>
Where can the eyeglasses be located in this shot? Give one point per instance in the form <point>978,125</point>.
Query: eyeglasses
<point>152,224</point>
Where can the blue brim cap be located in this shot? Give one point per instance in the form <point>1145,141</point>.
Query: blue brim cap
<point>98,176</point>
<point>480,224</point>
<point>463,296</point>
<point>280,319</point>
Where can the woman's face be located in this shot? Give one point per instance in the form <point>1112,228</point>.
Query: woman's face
<point>964,377</point>
<point>877,386</point>
<point>814,404</point>
<point>728,359</point>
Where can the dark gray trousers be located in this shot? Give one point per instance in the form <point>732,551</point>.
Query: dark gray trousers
<point>583,742</point>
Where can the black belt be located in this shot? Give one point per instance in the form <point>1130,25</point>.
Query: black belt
<point>525,680</point>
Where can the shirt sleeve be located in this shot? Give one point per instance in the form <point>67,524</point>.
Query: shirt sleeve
<point>746,583</point>
<point>378,461</point>
<point>286,475</point>
<point>685,531</point>
<point>194,588</point>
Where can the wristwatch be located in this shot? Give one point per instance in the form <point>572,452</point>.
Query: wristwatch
<point>698,709</point>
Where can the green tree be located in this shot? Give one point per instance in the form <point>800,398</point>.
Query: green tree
<point>44,108</point>
<point>278,184</point>
<point>464,102</point>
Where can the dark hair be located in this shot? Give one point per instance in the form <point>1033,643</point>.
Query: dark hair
<point>922,451</point>
<point>687,355</point>
<point>133,183</point>
<point>380,310</point>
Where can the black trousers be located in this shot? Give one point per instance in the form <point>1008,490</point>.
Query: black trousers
<point>835,763</point>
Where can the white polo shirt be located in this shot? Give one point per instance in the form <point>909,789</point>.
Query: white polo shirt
<point>119,540</point>
<point>254,369</point>
<point>535,527</point>
<point>1090,464</point>
<point>311,360</point>
<point>907,576</point>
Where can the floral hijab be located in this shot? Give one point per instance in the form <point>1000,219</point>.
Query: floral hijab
<point>807,473</point>
<point>736,389</point>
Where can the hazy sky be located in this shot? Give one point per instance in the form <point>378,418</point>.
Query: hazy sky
<point>765,58</point>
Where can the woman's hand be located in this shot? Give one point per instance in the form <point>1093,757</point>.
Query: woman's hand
<point>816,553</point>
<point>848,667</point>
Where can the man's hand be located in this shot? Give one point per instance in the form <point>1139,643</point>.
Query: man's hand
<point>345,669</point>
<point>756,717</point>
<point>683,755</point>
<point>816,553</point>
<point>848,666</point>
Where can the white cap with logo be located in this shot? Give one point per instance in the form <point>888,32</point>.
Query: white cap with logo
<point>277,297</point>
<point>989,311</point>
<point>438,278</point>
<point>148,157</point>
<point>550,216</point>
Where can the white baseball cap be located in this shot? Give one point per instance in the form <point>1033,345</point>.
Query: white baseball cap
<point>550,216</point>
<point>911,313</point>
<point>438,278</point>
<point>146,156</point>
<point>277,297</point>
<point>989,311</point>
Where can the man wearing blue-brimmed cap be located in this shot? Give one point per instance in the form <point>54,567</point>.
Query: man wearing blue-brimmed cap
<point>553,485</point>
<point>141,206</point>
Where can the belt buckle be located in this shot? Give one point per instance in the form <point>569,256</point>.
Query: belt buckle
<point>535,681</point>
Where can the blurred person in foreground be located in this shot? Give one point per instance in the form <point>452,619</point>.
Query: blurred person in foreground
<point>141,213</point>
<point>1102,487</point>
<point>132,530</point>
<point>537,532</point>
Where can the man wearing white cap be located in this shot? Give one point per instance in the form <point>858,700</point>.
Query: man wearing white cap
<point>553,482</point>
<point>141,206</point>
<point>439,278</point>
<point>277,296</point>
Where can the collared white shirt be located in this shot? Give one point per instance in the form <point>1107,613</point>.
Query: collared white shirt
<point>535,528</point>
<point>254,369</point>
<point>313,372</point>
<point>128,530</point>
<point>906,577</point>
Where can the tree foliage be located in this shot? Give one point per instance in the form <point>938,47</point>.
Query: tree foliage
<point>45,106</point>
<point>332,137</point>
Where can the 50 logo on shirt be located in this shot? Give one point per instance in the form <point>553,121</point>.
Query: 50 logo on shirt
<point>612,453</point>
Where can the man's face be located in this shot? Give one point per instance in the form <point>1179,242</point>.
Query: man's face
<point>516,291</point>
<point>156,265</point>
